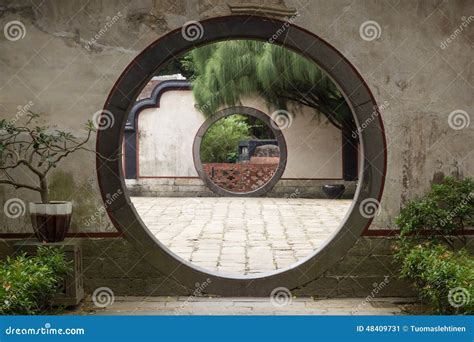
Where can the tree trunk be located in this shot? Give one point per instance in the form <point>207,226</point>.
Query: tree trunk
<point>44,190</point>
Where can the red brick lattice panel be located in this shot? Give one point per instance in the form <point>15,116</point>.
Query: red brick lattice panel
<point>240,177</point>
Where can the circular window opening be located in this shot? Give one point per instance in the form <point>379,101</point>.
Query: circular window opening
<point>371,170</point>
<point>240,151</point>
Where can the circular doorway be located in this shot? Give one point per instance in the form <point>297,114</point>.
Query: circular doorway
<point>358,97</point>
<point>241,174</point>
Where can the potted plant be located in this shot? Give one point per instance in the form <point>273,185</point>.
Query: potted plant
<point>334,191</point>
<point>37,150</point>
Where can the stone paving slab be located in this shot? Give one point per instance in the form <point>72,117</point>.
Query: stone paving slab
<point>241,235</point>
<point>245,306</point>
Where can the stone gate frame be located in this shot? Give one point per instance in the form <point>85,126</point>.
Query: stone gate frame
<point>340,70</point>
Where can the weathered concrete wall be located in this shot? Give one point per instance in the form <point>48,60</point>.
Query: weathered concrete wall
<point>114,263</point>
<point>67,75</point>
<point>412,67</point>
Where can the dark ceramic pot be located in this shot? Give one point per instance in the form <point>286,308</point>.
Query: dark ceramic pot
<point>334,191</point>
<point>51,221</point>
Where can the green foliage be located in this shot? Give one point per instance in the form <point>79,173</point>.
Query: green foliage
<point>29,283</point>
<point>427,250</point>
<point>440,275</point>
<point>220,142</point>
<point>227,71</point>
<point>446,208</point>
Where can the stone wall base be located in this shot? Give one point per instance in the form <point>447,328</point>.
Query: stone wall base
<point>195,187</point>
<point>368,269</point>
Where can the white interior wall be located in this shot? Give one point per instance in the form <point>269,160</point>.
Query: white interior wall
<point>166,136</point>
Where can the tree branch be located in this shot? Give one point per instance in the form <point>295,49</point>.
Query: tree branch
<point>17,185</point>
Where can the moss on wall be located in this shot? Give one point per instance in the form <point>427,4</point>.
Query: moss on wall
<point>87,207</point>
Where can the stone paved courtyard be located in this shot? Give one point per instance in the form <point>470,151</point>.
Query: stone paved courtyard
<point>241,235</point>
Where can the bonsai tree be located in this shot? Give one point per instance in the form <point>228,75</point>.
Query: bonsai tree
<point>37,148</point>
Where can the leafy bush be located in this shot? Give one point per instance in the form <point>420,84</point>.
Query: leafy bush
<point>446,209</point>
<point>30,282</point>
<point>444,278</point>
<point>440,269</point>
<point>220,142</point>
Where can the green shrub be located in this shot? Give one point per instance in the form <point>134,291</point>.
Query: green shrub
<point>445,209</point>
<point>221,140</point>
<point>30,282</point>
<point>429,251</point>
<point>445,279</point>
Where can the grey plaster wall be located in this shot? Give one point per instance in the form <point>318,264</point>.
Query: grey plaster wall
<point>72,53</point>
<point>67,76</point>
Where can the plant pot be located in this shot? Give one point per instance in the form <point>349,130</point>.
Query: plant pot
<point>334,191</point>
<point>50,221</point>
